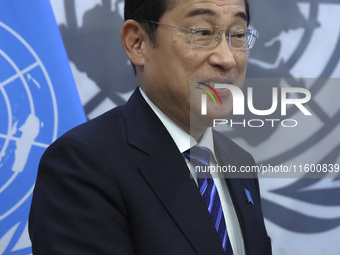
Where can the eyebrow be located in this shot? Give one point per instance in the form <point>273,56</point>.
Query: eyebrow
<point>242,15</point>
<point>209,12</point>
<point>202,12</point>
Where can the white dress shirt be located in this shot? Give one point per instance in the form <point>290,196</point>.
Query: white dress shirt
<point>185,141</point>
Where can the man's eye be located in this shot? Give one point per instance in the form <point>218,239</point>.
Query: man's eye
<point>202,32</point>
<point>238,35</point>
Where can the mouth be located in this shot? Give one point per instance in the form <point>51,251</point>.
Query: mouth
<point>218,87</point>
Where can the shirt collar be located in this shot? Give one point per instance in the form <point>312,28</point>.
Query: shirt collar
<point>182,139</point>
<point>208,141</point>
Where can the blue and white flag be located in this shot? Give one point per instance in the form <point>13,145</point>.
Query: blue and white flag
<point>38,102</point>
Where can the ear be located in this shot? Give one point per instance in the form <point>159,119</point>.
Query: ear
<point>133,39</point>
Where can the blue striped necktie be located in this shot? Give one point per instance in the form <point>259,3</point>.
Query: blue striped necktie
<point>200,156</point>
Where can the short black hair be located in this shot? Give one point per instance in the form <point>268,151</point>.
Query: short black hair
<point>142,10</point>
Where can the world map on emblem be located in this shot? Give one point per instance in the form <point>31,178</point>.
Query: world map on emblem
<point>28,124</point>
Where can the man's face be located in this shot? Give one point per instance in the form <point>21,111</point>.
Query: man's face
<point>170,66</point>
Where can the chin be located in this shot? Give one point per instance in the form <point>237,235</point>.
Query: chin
<point>213,112</point>
<point>204,121</point>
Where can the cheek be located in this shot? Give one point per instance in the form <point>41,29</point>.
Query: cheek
<point>241,59</point>
<point>185,67</point>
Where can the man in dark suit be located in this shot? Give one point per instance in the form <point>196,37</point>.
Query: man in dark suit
<point>123,182</point>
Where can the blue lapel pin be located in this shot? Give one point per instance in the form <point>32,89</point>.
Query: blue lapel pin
<point>248,196</point>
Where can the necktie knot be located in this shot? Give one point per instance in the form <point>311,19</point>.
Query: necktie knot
<point>198,155</point>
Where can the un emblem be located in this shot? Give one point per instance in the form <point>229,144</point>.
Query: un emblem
<point>28,125</point>
<point>293,47</point>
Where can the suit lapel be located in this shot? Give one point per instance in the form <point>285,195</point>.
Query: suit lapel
<point>169,178</point>
<point>166,172</point>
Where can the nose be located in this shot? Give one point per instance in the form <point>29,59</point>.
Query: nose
<point>222,56</point>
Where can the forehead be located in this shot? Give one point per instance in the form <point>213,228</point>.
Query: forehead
<point>221,9</point>
<point>219,3</point>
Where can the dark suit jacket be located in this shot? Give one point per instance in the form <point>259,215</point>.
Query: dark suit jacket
<point>119,185</point>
